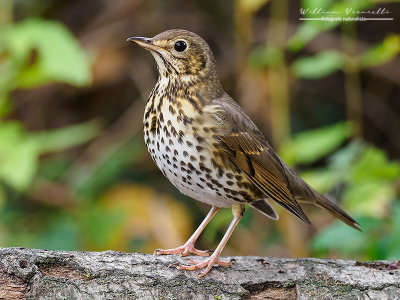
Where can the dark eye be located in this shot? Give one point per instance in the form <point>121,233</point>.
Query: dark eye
<point>180,46</point>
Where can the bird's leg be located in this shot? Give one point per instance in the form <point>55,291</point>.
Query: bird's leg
<point>188,247</point>
<point>237,210</point>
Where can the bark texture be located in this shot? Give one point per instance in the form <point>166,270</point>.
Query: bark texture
<point>41,274</point>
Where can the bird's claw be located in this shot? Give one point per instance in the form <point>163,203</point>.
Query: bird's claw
<point>207,264</point>
<point>184,251</point>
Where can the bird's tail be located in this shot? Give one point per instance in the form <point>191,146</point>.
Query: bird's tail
<point>335,210</point>
<point>306,194</point>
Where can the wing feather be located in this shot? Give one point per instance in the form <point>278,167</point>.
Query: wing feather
<point>249,151</point>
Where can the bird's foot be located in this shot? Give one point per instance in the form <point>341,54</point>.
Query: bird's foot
<point>183,251</point>
<point>207,264</point>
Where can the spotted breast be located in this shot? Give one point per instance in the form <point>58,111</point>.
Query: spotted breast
<point>182,146</point>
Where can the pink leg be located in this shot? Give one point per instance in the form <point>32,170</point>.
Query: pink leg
<point>237,210</point>
<point>188,247</point>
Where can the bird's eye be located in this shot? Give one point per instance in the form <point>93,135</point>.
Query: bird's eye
<point>180,46</point>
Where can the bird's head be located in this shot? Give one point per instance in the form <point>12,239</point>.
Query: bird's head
<point>180,54</point>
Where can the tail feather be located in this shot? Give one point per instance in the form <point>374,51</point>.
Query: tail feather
<point>336,211</point>
<point>306,194</point>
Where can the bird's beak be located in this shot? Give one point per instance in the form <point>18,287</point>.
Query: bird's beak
<point>145,43</point>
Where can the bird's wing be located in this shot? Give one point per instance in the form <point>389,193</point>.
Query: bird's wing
<point>249,151</point>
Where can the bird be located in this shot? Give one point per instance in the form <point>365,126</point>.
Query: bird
<point>207,147</point>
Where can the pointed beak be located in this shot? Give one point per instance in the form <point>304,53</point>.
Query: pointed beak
<point>145,43</point>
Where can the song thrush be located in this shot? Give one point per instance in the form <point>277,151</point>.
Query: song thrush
<point>208,148</point>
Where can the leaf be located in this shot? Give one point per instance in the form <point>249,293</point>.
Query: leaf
<point>67,137</point>
<point>371,180</point>
<point>373,165</point>
<point>57,55</point>
<point>310,146</point>
<point>319,65</point>
<point>20,151</point>
<point>18,155</point>
<point>381,53</point>
<point>368,198</point>
<point>352,242</point>
<point>306,32</point>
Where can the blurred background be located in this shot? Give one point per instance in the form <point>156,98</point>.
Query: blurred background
<point>74,170</point>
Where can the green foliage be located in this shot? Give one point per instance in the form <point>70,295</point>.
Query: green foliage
<point>66,137</point>
<point>328,61</point>
<point>44,51</point>
<point>308,30</point>
<point>20,150</point>
<point>35,52</point>
<point>18,155</point>
<point>379,239</point>
<point>310,146</point>
<point>368,181</point>
<point>369,191</point>
<point>382,52</point>
<point>352,242</point>
<point>368,176</point>
<point>319,65</point>
<point>371,179</point>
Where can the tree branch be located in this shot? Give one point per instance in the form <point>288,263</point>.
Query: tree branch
<point>41,274</point>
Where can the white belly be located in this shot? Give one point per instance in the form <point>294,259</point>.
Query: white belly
<point>189,169</point>
<point>181,153</point>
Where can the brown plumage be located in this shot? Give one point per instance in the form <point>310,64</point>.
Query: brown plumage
<point>207,146</point>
